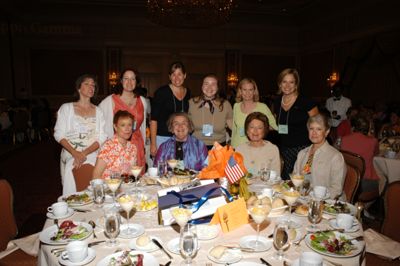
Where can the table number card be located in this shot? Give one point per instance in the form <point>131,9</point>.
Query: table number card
<point>231,215</point>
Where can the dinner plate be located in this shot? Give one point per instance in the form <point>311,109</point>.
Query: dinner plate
<point>76,204</point>
<point>91,255</point>
<point>138,230</point>
<point>150,247</point>
<point>246,242</point>
<point>354,228</point>
<point>358,246</point>
<point>148,259</point>
<point>353,209</point>
<point>229,256</point>
<point>68,214</point>
<point>46,235</point>
<point>207,232</point>
<point>173,246</point>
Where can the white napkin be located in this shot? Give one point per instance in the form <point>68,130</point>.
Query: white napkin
<point>381,245</point>
<point>29,245</point>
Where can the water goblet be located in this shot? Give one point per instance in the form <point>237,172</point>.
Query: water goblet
<point>259,213</point>
<point>112,225</point>
<point>98,192</point>
<point>127,202</point>
<point>315,208</point>
<point>136,170</point>
<point>281,239</point>
<point>113,183</point>
<point>188,243</point>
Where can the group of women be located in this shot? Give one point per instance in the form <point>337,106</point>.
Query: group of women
<point>185,128</point>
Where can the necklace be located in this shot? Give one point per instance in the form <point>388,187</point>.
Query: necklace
<point>291,100</point>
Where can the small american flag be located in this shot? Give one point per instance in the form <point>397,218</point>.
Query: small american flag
<point>233,171</point>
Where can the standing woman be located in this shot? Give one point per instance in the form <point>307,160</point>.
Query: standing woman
<point>292,111</point>
<point>80,131</point>
<point>247,101</point>
<point>167,100</point>
<point>127,99</point>
<point>210,113</point>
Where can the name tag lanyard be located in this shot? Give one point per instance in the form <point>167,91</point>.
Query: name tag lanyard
<point>207,129</point>
<point>283,129</point>
<point>173,98</point>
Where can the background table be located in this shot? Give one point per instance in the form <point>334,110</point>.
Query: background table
<point>387,169</point>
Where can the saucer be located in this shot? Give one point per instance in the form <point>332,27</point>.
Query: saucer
<point>247,242</point>
<point>353,229</point>
<point>173,246</point>
<point>207,232</point>
<point>68,214</point>
<point>229,256</point>
<point>138,230</point>
<point>89,258</point>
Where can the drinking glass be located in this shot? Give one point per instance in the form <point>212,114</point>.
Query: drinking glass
<point>315,208</point>
<point>188,243</point>
<point>113,183</point>
<point>98,194</point>
<point>281,239</point>
<point>162,168</point>
<point>259,213</point>
<point>127,202</point>
<point>112,224</point>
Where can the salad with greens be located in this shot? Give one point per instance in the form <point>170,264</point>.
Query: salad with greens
<point>336,207</point>
<point>329,242</point>
<point>70,231</point>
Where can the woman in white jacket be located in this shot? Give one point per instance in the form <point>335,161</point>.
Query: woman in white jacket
<point>127,99</point>
<point>80,131</point>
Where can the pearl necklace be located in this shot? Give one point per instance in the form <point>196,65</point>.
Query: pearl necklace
<point>289,102</point>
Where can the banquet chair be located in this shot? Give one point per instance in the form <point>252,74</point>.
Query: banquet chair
<point>351,183</point>
<point>82,176</point>
<point>354,160</point>
<point>390,226</point>
<point>9,230</point>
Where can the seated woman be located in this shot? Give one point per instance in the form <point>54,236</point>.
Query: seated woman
<point>182,146</point>
<point>257,152</point>
<point>321,163</point>
<point>117,154</point>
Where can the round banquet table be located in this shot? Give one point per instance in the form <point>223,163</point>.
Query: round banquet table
<point>387,169</point>
<point>166,233</point>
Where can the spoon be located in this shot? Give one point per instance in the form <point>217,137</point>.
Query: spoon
<point>93,224</point>
<point>56,223</point>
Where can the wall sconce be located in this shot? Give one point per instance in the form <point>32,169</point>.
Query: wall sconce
<point>333,78</point>
<point>112,79</point>
<point>232,79</point>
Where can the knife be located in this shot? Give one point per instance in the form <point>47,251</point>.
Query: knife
<point>155,241</point>
<point>264,262</point>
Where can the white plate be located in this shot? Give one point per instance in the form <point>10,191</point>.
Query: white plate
<point>327,195</point>
<point>296,262</point>
<point>89,258</point>
<point>148,259</point>
<point>244,242</point>
<point>46,235</point>
<point>230,256</point>
<point>138,230</point>
<point>354,228</point>
<point>69,213</point>
<point>76,204</point>
<point>357,244</point>
<point>207,232</point>
<point>151,247</point>
<point>353,209</point>
<point>173,246</point>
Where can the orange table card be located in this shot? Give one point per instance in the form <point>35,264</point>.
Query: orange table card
<point>231,215</point>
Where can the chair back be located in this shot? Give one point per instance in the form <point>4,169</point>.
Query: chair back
<point>354,160</point>
<point>390,226</point>
<point>8,226</point>
<point>351,183</point>
<point>82,176</point>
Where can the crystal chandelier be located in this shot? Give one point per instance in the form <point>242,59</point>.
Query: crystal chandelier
<point>190,13</point>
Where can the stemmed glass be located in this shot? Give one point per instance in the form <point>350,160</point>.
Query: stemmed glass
<point>98,191</point>
<point>315,208</point>
<point>181,215</point>
<point>127,203</point>
<point>281,239</point>
<point>172,163</point>
<point>136,170</point>
<point>112,224</point>
<point>259,213</point>
<point>290,197</point>
<point>188,243</point>
<point>114,183</point>
<point>297,180</point>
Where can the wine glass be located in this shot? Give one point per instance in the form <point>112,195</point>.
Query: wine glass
<point>98,191</point>
<point>112,224</point>
<point>172,163</point>
<point>188,243</point>
<point>315,208</point>
<point>162,168</point>
<point>181,215</point>
<point>290,197</point>
<point>113,183</point>
<point>297,180</point>
<point>281,239</point>
<point>259,213</point>
<point>127,202</point>
<point>136,170</point>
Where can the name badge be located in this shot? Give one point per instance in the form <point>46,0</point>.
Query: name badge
<point>134,125</point>
<point>241,132</point>
<point>207,130</point>
<point>283,129</point>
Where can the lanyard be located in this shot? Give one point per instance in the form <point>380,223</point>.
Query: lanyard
<point>279,116</point>
<point>173,98</point>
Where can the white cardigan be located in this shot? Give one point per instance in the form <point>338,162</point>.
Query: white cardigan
<point>107,106</point>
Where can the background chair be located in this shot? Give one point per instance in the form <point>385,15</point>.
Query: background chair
<point>390,226</point>
<point>8,229</point>
<point>351,183</point>
<point>82,176</point>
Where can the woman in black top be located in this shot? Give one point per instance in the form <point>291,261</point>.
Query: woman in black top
<point>167,100</point>
<point>292,112</point>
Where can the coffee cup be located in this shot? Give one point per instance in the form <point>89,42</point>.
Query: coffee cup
<point>58,209</point>
<point>320,192</point>
<point>75,251</point>
<point>273,175</point>
<point>344,221</point>
<point>310,259</point>
<point>267,192</point>
<point>153,171</point>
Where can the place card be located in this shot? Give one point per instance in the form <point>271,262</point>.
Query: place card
<point>231,216</point>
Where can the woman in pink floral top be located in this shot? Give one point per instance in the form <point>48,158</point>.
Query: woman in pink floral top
<point>117,154</point>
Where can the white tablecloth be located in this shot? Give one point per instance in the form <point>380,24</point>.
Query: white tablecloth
<point>387,169</point>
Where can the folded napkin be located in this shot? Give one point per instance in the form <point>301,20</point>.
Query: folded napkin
<point>381,245</point>
<point>29,245</point>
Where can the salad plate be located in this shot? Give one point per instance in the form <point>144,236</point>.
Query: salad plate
<point>228,257</point>
<point>333,208</point>
<point>77,199</point>
<point>148,259</point>
<point>53,236</point>
<point>138,230</point>
<point>334,244</point>
<point>246,242</point>
<point>91,255</point>
<point>207,232</point>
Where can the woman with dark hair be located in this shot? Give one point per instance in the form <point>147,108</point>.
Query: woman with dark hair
<point>257,152</point>
<point>80,131</point>
<point>210,113</point>
<point>292,111</point>
<point>167,100</point>
<point>126,98</point>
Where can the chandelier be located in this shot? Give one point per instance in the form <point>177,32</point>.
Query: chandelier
<point>190,13</point>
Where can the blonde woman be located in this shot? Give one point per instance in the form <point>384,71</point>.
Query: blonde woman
<point>247,101</point>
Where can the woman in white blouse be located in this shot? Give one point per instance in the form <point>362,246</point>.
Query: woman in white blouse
<point>80,131</point>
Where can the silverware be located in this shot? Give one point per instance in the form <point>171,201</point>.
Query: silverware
<point>155,241</point>
<point>265,262</point>
<point>82,210</point>
<point>93,224</point>
<point>296,243</point>
<point>240,248</point>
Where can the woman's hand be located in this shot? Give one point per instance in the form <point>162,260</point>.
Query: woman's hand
<point>153,149</point>
<point>79,159</point>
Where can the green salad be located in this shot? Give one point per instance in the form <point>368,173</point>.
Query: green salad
<point>329,242</point>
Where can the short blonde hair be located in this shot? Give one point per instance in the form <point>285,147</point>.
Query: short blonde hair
<point>320,119</point>
<point>239,97</point>
<point>288,71</point>
<point>172,118</point>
